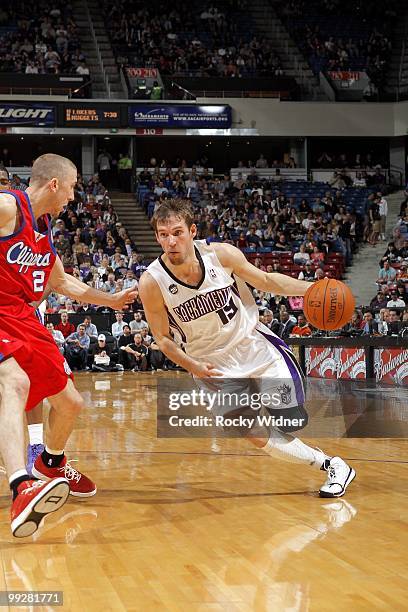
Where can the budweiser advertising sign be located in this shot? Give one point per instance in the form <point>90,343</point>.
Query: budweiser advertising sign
<point>320,362</point>
<point>391,366</point>
<point>328,362</point>
<point>351,363</point>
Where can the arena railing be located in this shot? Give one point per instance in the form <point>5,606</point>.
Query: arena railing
<point>288,174</point>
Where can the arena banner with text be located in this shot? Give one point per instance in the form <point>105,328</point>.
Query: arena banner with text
<point>330,362</point>
<point>29,114</point>
<point>321,362</point>
<point>391,366</point>
<point>351,363</point>
<point>179,116</point>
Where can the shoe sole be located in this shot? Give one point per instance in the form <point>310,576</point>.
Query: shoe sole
<point>349,480</point>
<point>52,498</point>
<point>38,474</point>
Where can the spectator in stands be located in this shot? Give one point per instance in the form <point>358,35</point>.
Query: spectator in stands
<point>102,357</point>
<point>379,301</point>
<point>64,326</point>
<point>391,254</point>
<point>139,352</point>
<point>77,345</point>
<point>359,180</point>
<point>156,359</point>
<point>58,337</point>
<point>317,256</point>
<point>308,273</point>
<point>117,327</point>
<point>387,274</point>
<point>383,321</point>
<point>104,161</point>
<point>138,323</point>
<point>396,301</point>
<point>383,212</point>
<point>302,328</point>
<point>302,256</point>
<point>90,328</point>
<point>270,321</point>
<point>261,162</point>
<point>369,326</point>
<point>394,324</point>
<point>286,325</point>
<point>126,358</point>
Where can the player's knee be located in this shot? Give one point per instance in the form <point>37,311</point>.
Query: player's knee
<point>76,404</point>
<point>15,379</point>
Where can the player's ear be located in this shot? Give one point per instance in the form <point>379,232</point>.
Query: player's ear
<point>193,230</point>
<point>53,184</point>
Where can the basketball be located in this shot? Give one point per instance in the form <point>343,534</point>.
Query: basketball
<point>328,304</point>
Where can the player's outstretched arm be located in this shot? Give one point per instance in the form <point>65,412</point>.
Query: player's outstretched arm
<point>68,285</point>
<point>232,258</point>
<point>156,316</point>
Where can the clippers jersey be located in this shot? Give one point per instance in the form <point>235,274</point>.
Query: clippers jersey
<point>26,260</point>
<point>217,320</point>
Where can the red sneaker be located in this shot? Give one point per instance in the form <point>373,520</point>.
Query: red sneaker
<point>35,499</point>
<point>79,484</point>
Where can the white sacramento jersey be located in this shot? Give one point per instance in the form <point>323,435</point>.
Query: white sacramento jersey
<point>217,320</point>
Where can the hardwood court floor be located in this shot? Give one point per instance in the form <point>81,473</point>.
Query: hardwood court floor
<point>206,525</point>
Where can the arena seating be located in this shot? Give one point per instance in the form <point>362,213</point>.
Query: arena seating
<point>206,41</point>
<point>39,38</point>
<point>342,35</point>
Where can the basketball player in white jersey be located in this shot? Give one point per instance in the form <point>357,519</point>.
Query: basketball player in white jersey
<point>204,318</point>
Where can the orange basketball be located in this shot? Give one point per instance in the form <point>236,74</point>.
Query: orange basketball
<point>328,304</point>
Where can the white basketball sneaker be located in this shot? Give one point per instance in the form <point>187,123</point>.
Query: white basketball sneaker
<point>339,476</point>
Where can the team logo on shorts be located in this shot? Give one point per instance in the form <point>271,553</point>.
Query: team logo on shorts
<point>285,393</point>
<point>173,289</point>
<point>67,369</point>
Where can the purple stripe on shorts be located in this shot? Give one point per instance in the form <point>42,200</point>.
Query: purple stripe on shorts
<point>291,362</point>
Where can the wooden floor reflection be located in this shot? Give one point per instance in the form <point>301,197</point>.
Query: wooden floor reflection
<point>206,524</point>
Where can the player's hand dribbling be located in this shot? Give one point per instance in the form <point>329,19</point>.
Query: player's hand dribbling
<point>204,370</point>
<point>123,298</point>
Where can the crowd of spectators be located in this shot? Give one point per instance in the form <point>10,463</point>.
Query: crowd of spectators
<point>365,162</point>
<point>342,34</point>
<point>40,38</point>
<point>126,346</point>
<point>390,304</point>
<point>205,41</point>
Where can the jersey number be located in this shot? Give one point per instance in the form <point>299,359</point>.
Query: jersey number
<point>38,281</point>
<point>228,312</point>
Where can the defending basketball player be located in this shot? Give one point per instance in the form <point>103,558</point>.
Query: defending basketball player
<point>31,366</point>
<point>203,317</point>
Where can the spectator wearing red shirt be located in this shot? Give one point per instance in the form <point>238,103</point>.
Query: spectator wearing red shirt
<point>65,327</point>
<point>302,328</point>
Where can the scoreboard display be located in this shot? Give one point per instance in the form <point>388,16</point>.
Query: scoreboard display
<point>104,116</point>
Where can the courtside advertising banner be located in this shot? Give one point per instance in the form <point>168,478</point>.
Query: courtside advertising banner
<point>321,362</point>
<point>391,366</point>
<point>351,363</point>
<point>30,114</point>
<point>179,116</point>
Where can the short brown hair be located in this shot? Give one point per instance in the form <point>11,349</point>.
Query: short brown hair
<point>176,207</point>
<point>49,166</point>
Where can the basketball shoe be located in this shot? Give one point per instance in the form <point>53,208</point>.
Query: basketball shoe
<point>79,484</point>
<point>33,450</point>
<point>339,476</point>
<point>35,499</point>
